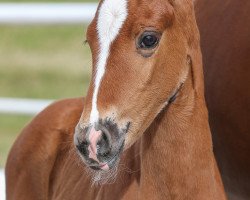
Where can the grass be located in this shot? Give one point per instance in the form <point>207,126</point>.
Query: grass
<point>40,62</point>
<point>43,62</point>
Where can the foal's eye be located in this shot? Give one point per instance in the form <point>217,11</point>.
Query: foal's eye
<point>148,40</point>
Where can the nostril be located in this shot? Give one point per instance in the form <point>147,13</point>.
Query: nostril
<point>82,147</point>
<point>105,138</point>
<point>103,145</point>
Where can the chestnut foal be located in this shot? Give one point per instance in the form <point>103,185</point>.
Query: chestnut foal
<point>143,132</point>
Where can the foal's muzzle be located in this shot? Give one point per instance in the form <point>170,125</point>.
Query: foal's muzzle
<point>100,145</point>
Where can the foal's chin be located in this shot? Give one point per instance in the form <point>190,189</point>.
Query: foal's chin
<point>100,176</point>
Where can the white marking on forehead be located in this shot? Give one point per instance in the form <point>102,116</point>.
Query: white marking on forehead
<point>112,15</point>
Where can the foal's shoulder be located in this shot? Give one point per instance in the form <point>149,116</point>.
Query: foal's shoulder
<point>49,127</point>
<point>35,151</point>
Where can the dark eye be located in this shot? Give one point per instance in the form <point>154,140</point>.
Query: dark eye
<point>148,40</point>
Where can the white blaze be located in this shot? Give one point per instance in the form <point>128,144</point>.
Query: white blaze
<point>111,17</point>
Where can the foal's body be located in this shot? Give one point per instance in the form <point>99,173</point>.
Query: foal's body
<point>146,171</point>
<point>172,160</point>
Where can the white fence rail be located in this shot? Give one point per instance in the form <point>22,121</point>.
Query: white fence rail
<point>23,106</point>
<point>46,13</point>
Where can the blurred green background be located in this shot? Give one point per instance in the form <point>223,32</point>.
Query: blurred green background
<point>40,61</point>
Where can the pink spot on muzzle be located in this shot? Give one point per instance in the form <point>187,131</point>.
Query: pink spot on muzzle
<point>93,139</point>
<point>94,136</point>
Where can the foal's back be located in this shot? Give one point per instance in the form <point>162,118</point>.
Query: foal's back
<point>225,41</point>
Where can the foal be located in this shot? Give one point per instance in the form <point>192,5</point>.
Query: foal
<point>144,111</point>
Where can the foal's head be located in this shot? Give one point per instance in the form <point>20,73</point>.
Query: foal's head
<point>140,51</point>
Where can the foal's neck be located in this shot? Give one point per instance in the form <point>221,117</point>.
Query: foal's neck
<point>177,157</point>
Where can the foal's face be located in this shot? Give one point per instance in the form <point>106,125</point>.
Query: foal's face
<point>139,62</point>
